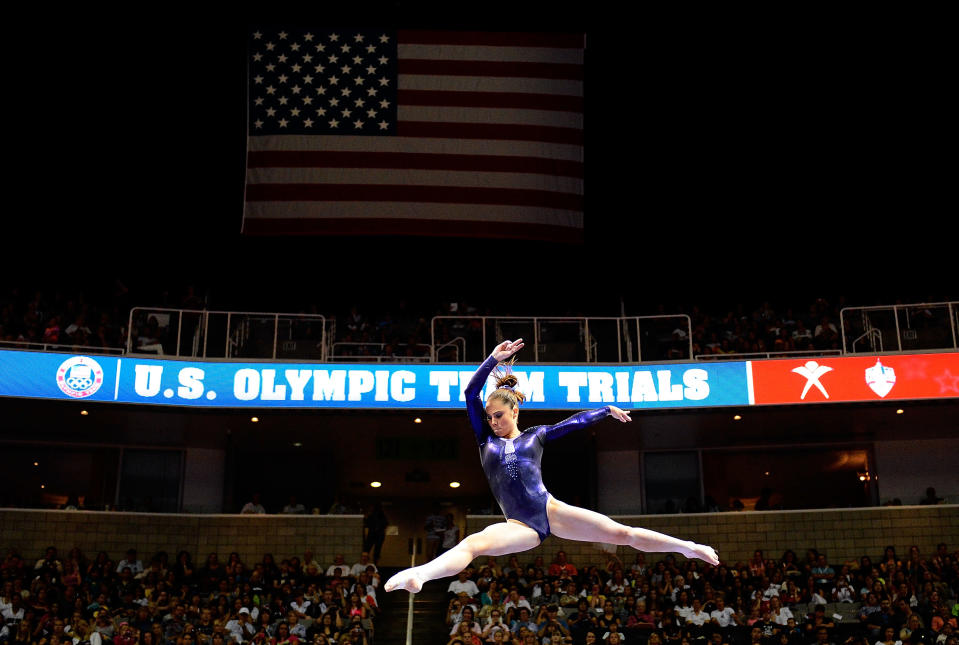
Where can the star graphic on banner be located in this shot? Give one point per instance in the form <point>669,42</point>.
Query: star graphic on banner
<point>947,382</point>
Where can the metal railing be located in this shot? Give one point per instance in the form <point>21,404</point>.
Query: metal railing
<point>748,356</point>
<point>898,328</point>
<point>192,333</point>
<point>365,352</point>
<point>594,339</point>
<point>200,333</point>
<point>59,347</point>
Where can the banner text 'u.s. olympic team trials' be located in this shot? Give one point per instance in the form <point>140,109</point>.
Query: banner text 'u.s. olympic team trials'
<point>554,387</point>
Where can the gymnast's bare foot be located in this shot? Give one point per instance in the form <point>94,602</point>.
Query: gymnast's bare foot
<point>701,552</point>
<point>406,579</point>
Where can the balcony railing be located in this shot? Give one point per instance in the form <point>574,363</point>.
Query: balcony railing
<point>900,328</point>
<point>203,334</point>
<point>565,339</point>
<point>191,333</point>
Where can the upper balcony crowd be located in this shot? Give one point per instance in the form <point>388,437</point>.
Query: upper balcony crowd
<point>99,318</point>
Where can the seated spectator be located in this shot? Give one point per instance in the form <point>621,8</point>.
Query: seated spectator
<point>595,598</point>
<point>842,592</point>
<point>338,568</point>
<point>463,586</point>
<point>130,562</point>
<point>294,507</point>
<point>889,637</point>
<point>696,618</point>
<point>241,627</point>
<point>548,615</point>
<point>608,618</point>
<point>777,613</point>
<point>561,567</point>
<point>491,601</point>
<point>723,618</point>
<point>282,635</point>
<point>640,618</point>
<point>581,620</point>
<point>494,620</point>
<point>818,619</point>
<point>362,565</point>
<point>570,597</point>
<point>253,507</point>
<point>514,601</point>
<point>913,630</point>
<point>523,619</point>
<point>823,637</point>
<point>466,625</point>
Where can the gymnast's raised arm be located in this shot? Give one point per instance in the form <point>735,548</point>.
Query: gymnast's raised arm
<point>474,389</point>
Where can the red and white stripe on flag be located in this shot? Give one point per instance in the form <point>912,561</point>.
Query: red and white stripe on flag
<point>487,139</point>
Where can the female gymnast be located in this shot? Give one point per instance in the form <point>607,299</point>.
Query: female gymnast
<point>511,460</point>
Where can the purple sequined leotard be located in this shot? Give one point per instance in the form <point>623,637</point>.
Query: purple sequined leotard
<point>512,466</point>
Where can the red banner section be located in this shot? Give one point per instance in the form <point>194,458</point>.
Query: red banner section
<point>855,378</point>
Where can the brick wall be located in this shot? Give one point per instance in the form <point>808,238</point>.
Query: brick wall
<point>843,534</point>
<point>31,531</point>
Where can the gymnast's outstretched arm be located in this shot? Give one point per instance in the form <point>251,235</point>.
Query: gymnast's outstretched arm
<point>581,420</point>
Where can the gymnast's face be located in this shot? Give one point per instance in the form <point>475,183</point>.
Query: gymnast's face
<point>502,418</point>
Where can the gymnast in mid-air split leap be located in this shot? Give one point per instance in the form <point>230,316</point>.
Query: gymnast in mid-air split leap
<point>511,460</point>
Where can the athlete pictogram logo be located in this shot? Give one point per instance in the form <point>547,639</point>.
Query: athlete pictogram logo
<point>880,378</point>
<point>812,371</point>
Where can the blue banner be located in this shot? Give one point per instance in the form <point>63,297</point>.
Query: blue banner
<point>387,386</point>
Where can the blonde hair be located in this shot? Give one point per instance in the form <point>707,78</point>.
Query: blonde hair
<point>506,383</point>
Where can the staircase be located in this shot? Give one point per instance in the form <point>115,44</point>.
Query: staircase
<point>429,614</point>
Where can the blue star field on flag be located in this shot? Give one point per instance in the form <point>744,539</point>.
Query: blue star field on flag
<point>316,82</point>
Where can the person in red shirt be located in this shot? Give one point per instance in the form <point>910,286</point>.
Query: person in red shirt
<point>561,567</point>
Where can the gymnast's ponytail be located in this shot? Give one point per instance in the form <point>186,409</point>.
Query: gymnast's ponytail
<point>506,383</point>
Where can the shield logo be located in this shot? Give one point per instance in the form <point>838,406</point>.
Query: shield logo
<point>880,378</point>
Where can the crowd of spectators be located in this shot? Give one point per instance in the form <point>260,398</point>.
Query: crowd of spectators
<point>402,329</point>
<point>766,329</point>
<point>78,600</point>
<point>889,600</point>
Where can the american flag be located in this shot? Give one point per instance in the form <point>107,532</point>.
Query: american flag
<point>415,132</point>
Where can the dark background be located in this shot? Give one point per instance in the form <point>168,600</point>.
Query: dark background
<point>731,155</point>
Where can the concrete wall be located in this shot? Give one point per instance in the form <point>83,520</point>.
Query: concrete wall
<point>843,534</point>
<point>31,531</point>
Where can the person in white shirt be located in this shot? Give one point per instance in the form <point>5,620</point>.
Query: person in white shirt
<point>683,607</point>
<point>360,567</point>
<point>253,507</point>
<point>241,628</point>
<point>12,616</point>
<point>679,586</point>
<point>697,616</point>
<point>723,616</point>
<point>777,613</point>
<point>517,601</point>
<point>463,584</point>
<point>300,604</point>
<point>136,566</point>
<point>842,592</point>
<point>309,560</point>
<point>338,563</point>
<point>293,507</point>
